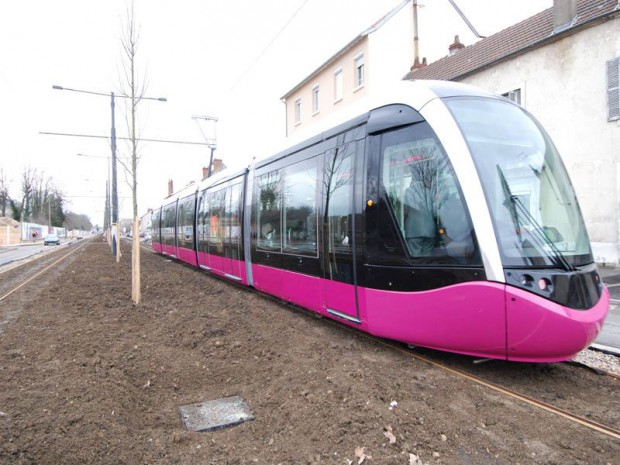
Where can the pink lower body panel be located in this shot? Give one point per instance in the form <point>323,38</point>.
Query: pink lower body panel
<point>483,319</point>
<point>156,246</point>
<point>170,250</point>
<point>299,289</point>
<point>468,318</point>
<point>187,256</point>
<point>543,331</point>
<point>225,267</point>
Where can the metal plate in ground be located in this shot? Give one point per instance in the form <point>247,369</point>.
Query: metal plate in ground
<point>215,414</point>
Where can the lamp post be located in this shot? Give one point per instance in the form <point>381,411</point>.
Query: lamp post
<point>114,192</point>
<point>211,141</point>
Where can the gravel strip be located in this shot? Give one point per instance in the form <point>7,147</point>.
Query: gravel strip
<point>599,360</point>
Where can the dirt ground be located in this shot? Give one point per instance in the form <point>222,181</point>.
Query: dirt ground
<point>87,378</point>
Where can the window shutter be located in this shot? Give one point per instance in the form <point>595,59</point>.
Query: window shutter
<point>613,89</point>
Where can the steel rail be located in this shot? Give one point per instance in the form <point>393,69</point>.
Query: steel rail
<point>593,425</point>
<point>4,296</point>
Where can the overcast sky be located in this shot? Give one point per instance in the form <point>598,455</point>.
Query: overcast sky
<point>223,58</point>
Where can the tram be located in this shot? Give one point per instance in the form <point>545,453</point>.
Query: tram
<point>440,215</point>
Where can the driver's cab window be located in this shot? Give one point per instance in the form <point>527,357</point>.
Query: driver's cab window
<point>424,197</point>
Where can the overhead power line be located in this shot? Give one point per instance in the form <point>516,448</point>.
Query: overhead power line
<point>260,55</point>
<point>122,138</point>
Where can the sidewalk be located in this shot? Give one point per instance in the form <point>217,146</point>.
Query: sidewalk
<point>609,339</point>
<point>21,244</point>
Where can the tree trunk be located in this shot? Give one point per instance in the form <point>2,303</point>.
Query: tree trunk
<point>135,262</point>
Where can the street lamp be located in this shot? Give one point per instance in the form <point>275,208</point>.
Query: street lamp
<point>211,141</point>
<point>112,96</point>
<point>113,142</point>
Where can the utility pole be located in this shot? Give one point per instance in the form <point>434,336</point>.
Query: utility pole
<point>210,136</point>
<point>114,188</point>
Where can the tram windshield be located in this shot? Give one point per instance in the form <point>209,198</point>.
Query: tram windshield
<point>532,203</point>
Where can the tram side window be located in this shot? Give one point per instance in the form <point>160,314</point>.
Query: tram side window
<point>180,217</point>
<point>168,224</point>
<point>203,225</point>
<point>338,186</point>
<point>155,225</point>
<point>216,202</point>
<point>269,206</point>
<point>185,229</point>
<point>425,199</point>
<point>299,216</point>
<point>233,214</point>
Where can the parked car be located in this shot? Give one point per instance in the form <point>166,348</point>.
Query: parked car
<point>51,239</point>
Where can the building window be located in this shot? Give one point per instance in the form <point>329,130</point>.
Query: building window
<point>315,99</point>
<point>514,95</point>
<point>338,85</point>
<point>613,89</point>
<point>359,70</point>
<point>297,110</point>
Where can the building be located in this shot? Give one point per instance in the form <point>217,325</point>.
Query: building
<point>10,231</point>
<point>563,66</point>
<point>354,70</point>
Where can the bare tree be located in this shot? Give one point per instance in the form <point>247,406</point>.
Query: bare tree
<point>77,221</point>
<point>4,193</point>
<point>28,182</point>
<point>41,201</point>
<point>135,91</point>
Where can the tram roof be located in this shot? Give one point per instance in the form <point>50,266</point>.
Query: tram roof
<point>414,93</point>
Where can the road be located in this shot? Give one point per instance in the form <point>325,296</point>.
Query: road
<point>610,336</point>
<point>12,254</point>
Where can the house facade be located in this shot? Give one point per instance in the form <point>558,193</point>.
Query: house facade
<point>353,72</point>
<point>563,66</point>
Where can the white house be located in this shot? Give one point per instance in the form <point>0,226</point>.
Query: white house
<point>354,71</point>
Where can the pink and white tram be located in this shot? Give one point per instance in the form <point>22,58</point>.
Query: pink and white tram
<point>441,216</point>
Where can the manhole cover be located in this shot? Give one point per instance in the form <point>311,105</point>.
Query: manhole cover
<point>215,414</point>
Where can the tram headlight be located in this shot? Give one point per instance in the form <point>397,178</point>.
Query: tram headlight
<point>526,280</point>
<point>544,284</point>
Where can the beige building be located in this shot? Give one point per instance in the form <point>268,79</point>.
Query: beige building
<point>10,231</point>
<point>377,56</point>
<point>563,66</point>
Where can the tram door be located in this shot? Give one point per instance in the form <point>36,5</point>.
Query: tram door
<point>231,234</point>
<point>338,243</point>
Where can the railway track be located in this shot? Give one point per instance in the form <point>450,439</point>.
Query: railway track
<point>608,430</point>
<point>46,267</point>
<point>532,401</point>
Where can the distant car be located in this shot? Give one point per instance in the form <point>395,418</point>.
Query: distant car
<point>51,239</point>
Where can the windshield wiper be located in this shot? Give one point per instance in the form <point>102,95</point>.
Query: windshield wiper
<point>538,232</point>
<point>509,202</point>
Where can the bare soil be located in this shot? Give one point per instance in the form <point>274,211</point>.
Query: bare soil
<point>86,377</point>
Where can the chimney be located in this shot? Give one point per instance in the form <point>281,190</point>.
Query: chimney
<point>564,12</point>
<point>205,172</point>
<point>170,187</point>
<point>455,46</point>
<point>218,165</point>
<point>417,65</point>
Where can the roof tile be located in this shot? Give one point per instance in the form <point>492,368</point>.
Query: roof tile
<point>534,31</point>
